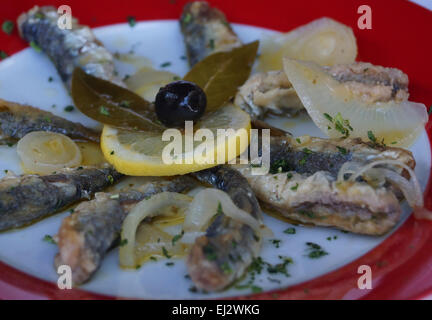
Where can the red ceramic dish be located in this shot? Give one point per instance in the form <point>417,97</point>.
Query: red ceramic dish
<point>402,264</point>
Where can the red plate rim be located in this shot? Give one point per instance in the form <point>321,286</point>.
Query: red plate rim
<point>401,265</point>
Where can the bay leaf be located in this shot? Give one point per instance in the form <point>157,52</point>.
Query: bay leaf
<point>111,104</point>
<point>221,73</point>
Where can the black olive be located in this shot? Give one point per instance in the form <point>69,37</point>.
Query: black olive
<point>178,102</point>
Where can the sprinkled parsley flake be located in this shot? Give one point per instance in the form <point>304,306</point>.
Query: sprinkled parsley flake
<point>103,110</point>
<point>132,21</point>
<point>8,27</point>
<point>49,239</point>
<point>290,231</point>
<point>35,46</point>
<point>165,64</point>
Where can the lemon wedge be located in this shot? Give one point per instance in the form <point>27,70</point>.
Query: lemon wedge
<point>138,153</point>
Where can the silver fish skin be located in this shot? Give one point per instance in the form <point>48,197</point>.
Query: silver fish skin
<point>224,253</point>
<point>205,31</point>
<point>17,120</point>
<point>303,184</point>
<point>26,199</point>
<point>94,227</point>
<point>67,49</point>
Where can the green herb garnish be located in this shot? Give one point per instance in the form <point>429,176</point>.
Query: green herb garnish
<point>3,55</point>
<point>295,187</point>
<point>103,110</point>
<point>340,124</point>
<point>123,242</point>
<point>315,250</point>
<point>35,46</point>
<point>342,150</point>
<point>8,27</point>
<point>165,253</point>
<point>110,179</point>
<point>69,108</point>
<point>290,231</point>
<point>132,21</point>
<point>177,237</point>
<point>165,64</point>
<point>221,73</point>
<point>49,239</point>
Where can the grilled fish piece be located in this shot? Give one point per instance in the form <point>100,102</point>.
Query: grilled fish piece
<point>28,198</point>
<point>205,30</point>
<point>272,92</point>
<point>372,83</point>
<point>303,184</point>
<point>67,49</point>
<point>17,120</point>
<point>268,92</point>
<point>223,254</point>
<point>86,235</point>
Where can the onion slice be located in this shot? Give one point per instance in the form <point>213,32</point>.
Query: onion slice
<point>144,209</point>
<point>410,188</point>
<point>205,206</point>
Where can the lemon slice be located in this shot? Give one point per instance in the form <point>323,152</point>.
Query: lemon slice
<point>146,154</point>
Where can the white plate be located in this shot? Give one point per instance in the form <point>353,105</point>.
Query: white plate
<point>24,79</point>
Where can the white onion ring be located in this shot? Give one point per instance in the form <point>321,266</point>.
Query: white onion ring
<point>205,206</point>
<point>410,188</point>
<point>144,209</point>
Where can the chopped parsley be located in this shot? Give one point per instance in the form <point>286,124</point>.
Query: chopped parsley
<point>132,21</point>
<point>35,46</point>
<point>226,268</point>
<point>342,150</point>
<point>123,242</point>
<point>165,64</point>
<point>110,179</point>
<point>289,175</point>
<point>8,27</point>
<point>340,124</point>
<point>69,108</point>
<point>315,251</point>
<point>279,166</point>
<point>298,140</point>
<point>165,253</point>
<point>3,55</point>
<point>153,258</point>
<point>295,187</point>
<point>49,239</point>
<point>210,252</point>
<point>187,18</point>
<point>290,231</point>
<point>103,110</point>
<point>169,264</point>
<point>211,44</point>
<point>50,79</point>
<point>371,136</point>
<point>177,237</point>
<point>112,152</point>
<point>125,104</point>
<point>374,140</point>
<point>276,243</point>
<point>219,209</point>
